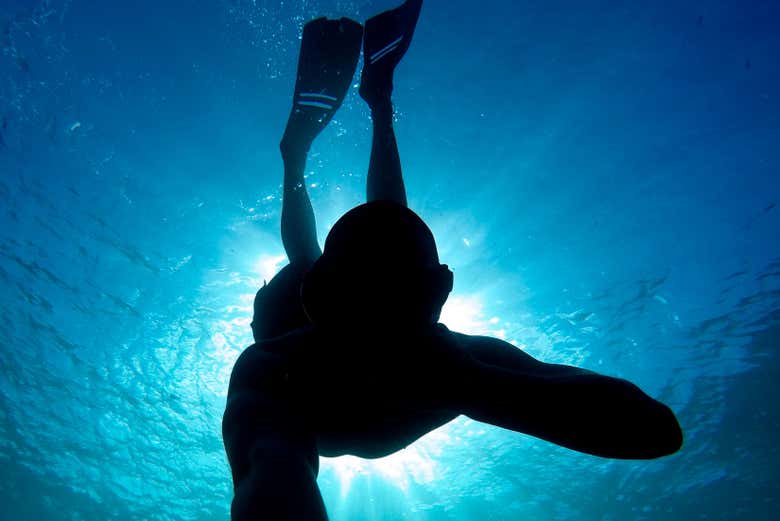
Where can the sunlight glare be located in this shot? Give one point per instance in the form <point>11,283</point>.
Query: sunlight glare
<point>464,314</point>
<point>269,265</point>
<point>416,463</point>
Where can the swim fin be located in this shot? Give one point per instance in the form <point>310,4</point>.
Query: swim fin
<point>387,37</point>
<point>326,64</point>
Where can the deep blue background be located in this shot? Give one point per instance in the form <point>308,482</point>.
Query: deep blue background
<point>602,177</point>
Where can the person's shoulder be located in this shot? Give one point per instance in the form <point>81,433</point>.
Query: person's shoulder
<point>464,340</point>
<point>494,351</point>
<point>467,340</point>
<point>263,362</point>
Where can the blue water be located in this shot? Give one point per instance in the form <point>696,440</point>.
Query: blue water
<point>601,176</point>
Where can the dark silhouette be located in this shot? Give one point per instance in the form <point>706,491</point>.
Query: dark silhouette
<point>349,356</point>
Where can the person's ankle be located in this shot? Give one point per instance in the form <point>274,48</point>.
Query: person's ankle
<point>381,107</point>
<point>376,90</point>
<point>292,148</point>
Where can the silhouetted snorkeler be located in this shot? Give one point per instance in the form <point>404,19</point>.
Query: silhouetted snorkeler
<point>329,53</point>
<point>349,356</point>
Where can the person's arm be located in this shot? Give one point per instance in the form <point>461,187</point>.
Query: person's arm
<point>273,458</point>
<point>572,407</point>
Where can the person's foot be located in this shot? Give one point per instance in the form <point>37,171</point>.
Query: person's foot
<point>329,53</point>
<point>386,39</point>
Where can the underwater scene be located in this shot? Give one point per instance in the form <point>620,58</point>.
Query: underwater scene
<point>602,177</point>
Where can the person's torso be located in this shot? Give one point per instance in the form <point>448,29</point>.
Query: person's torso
<point>356,400</point>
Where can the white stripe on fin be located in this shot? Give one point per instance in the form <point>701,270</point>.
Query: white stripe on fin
<point>317,95</point>
<point>384,50</point>
<point>388,51</point>
<point>316,104</point>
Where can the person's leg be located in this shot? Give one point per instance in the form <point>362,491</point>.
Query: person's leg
<point>385,179</point>
<point>387,37</point>
<point>326,64</point>
<point>299,228</point>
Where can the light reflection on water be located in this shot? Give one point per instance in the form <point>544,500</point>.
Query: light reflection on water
<point>608,199</point>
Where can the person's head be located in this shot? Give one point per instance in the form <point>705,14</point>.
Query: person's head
<point>379,268</point>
